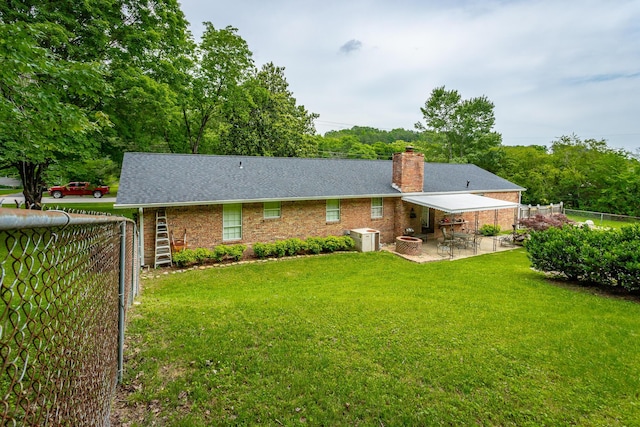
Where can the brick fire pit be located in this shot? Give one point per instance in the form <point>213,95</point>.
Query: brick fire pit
<point>408,245</point>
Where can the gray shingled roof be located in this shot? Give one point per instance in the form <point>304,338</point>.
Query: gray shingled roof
<point>451,177</point>
<point>173,179</point>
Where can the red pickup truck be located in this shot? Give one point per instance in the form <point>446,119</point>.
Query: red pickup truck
<point>78,189</point>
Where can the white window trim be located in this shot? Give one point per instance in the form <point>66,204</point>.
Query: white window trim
<point>267,212</point>
<point>332,211</point>
<point>226,227</point>
<point>377,208</point>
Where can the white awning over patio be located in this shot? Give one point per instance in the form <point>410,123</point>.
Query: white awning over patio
<point>459,203</point>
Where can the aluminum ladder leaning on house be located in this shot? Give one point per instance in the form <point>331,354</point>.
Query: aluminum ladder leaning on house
<point>163,244</point>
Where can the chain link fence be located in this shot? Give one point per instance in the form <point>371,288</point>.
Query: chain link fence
<point>600,217</point>
<point>66,282</point>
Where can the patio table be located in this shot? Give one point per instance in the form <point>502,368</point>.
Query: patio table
<point>466,239</point>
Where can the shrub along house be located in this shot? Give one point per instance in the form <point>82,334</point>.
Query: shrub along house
<point>217,200</point>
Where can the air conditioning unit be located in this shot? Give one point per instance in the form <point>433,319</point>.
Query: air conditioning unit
<point>366,239</point>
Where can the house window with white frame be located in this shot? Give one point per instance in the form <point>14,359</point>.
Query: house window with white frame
<point>333,210</point>
<point>232,222</point>
<point>376,207</point>
<point>272,210</point>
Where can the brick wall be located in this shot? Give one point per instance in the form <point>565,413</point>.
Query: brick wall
<point>301,219</point>
<point>403,220</point>
<point>408,171</point>
<point>506,217</point>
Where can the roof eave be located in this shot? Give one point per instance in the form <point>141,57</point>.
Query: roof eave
<point>295,199</point>
<point>467,191</point>
<point>261,200</point>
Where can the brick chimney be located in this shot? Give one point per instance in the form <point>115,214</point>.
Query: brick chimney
<point>408,171</point>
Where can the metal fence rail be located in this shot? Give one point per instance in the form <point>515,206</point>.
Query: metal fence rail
<point>65,283</point>
<point>601,216</point>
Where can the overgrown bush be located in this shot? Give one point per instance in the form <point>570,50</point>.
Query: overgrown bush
<point>489,230</point>
<point>184,257</point>
<point>263,250</point>
<point>542,222</point>
<point>203,255</point>
<point>295,246</point>
<point>281,248</point>
<point>313,245</point>
<point>331,244</point>
<point>604,257</point>
<point>346,243</point>
<point>219,253</point>
<point>224,252</point>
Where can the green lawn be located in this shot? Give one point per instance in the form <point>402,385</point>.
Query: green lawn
<point>600,223</point>
<point>371,339</point>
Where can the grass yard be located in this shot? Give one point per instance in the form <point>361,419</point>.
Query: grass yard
<point>609,223</point>
<point>371,339</point>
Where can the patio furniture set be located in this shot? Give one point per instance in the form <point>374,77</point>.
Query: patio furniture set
<point>457,240</point>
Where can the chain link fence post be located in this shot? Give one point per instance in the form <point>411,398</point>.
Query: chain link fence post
<point>66,281</point>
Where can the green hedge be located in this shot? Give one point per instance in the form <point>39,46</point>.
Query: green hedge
<point>605,257</point>
<point>203,255</point>
<point>489,230</point>
<point>281,248</point>
<point>312,245</point>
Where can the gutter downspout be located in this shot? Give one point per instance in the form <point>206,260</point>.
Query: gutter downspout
<point>141,228</point>
<point>519,204</point>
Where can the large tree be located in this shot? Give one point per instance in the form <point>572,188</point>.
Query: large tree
<point>584,174</point>
<point>532,168</point>
<point>148,76</point>
<point>222,62</point>
<point>45,111</point>
<point>58,63</point>
<point>588,170</point>
<point>263,119</point>
<point>465,124</point>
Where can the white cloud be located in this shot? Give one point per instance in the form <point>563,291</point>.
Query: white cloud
<point>551,68</point>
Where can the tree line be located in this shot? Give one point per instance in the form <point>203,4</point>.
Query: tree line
<point>84,82</point>
<point>585,174</point>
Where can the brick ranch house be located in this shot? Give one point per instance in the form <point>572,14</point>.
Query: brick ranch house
<point>242,199</point>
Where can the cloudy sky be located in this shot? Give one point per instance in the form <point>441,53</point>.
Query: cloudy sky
<point>551,67</point>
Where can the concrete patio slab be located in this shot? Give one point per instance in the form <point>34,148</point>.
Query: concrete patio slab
<point>431,253</point>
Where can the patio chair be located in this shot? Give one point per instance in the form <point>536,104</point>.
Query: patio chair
<point>445,235</point>
<point>444,247</point>
<point>458,244</point>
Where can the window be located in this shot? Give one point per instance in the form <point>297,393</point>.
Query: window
<point>232,222</point>
<point>376,207</point>
<point>333,210</point>
<point>271,210</point>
